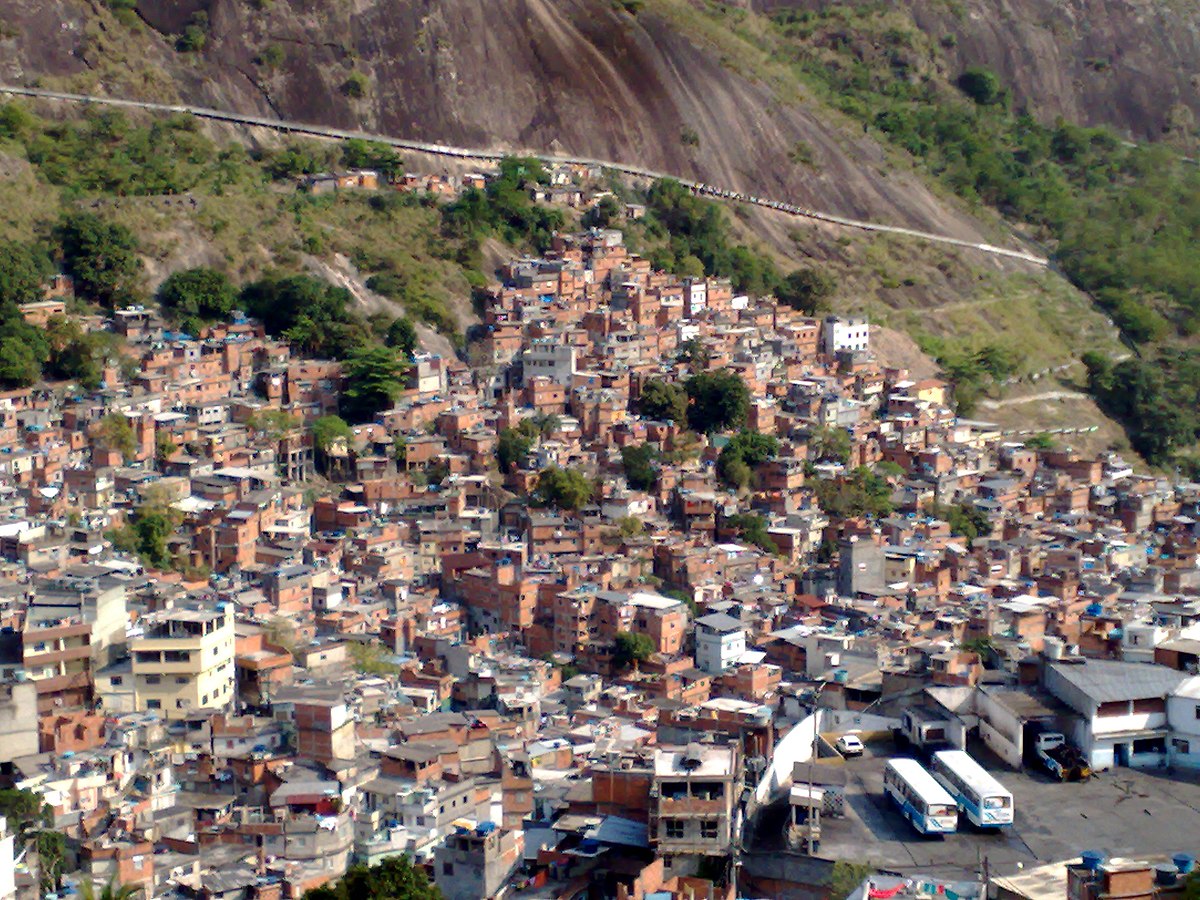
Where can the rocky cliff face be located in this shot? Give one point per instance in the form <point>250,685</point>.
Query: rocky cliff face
<point>576,76</point>
<point>584,76</point>
<point>1132,64</point>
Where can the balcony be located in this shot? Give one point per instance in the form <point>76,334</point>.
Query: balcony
<point>690,806</point>
<point>53,657</point>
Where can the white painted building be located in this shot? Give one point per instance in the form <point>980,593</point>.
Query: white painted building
<point>1183,717</point>
<point>8,875</point>
<point>695,292</point>
<point>839,334</point>
<point>547,358</point>
<point>720,642</point>
<point>1122,708</point>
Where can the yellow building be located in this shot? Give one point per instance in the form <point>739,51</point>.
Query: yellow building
<point>184,662</point>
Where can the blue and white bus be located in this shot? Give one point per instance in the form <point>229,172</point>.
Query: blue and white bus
<point>984,799</point>
<point>924,802</point>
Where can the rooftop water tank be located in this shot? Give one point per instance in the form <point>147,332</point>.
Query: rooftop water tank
<point>1092,859</point>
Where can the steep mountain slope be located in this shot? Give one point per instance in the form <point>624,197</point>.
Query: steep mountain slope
<point>569,75</point>
<point>1131,64</point>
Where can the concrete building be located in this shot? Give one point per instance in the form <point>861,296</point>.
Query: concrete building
<point>90,594</point>
<point>547,358</point>
<point>694,799</point>
<point>8,874</point>
<point>184,661</point>
<point>1122,708</point>
<point>1183,718</point>
<point>18,720</point>
<point>57,655</point>
<point>860,566</point>
<point>720,642</point>
<point>476,864</point>
<point>838,334</point>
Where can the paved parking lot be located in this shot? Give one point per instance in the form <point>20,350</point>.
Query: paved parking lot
<point>1122,812</point>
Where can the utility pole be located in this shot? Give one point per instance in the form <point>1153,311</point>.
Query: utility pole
<point>814,811</point>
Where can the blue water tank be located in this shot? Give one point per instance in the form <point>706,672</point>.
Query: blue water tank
<point>1184,862</point>
<point>485,828</point>
<point>840,676</point>
<point>1092,859</point>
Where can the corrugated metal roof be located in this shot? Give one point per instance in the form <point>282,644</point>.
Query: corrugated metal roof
<point>1111,681</point>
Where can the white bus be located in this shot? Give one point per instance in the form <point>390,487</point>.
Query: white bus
<point>983,798</point>
<point>923,801</point>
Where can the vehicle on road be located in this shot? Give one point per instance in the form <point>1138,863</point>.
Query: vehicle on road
<point>923,732</point>
<point>849,745</point>
<point>984,800</point>
<point>926,804</point>
<point>1054,754</point>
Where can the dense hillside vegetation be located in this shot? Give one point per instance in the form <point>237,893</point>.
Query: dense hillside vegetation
<point>1122,220</point>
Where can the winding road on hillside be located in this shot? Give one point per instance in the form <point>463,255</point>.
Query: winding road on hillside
<point>494,156</point>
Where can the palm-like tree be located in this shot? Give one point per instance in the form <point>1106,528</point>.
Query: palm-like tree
<point>110,891</point>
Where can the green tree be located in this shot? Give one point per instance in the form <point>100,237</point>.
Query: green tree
<point>846,877</point>
<point>110,891</point>
<point>372,658</point>
<point>752,528</point>
<point>402,335</point>
<point>329,429</point>
<point>639,461</point>
<point>604,214</point>
<point>102,258</point>
<point>25,811</point>
<point>51,848</point>
<point>271,423</point>
<point>689,267</point>
<point>829,443</point>
<point>196,296</point>
<point>663,400</point>
<point>164,447</point>
<point>115,433</point>
<point>395,878</point>
<point>311,314</point>
<point>807,290</point>
<point>631,647</point>
<point>1040,441</point>
<point>981,85</point>
<point>860,493</point>
<point>24,270</point>
<point>720,401</point>
<point>21,355</point>
<point>564,488</point>
<point>153,525</point>
<point>374,379</point>
<point>355,85</point>
<point>694,353</point>
<point>512,446</point>
<point>745,451</point>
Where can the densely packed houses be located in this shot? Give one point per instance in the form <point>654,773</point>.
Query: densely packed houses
<point>406,643</point>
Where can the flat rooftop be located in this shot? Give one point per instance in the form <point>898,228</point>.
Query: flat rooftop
<point>1124,812</point>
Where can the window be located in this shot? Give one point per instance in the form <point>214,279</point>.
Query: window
<point>153,704</point>
<point>179,679</point>
<point>153,679</point>
<point>447,868</point>
<point>117,681</point>
<point>1181,746</point>
<point>708,828</point>
<point>674,828</point>
<point>204,699</point>
<point>179,704</point>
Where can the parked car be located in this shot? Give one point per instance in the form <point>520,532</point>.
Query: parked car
<point>849,745</point>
